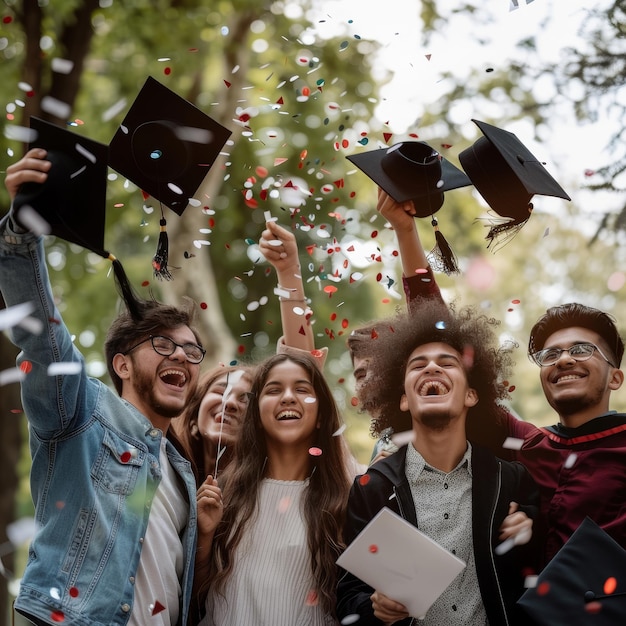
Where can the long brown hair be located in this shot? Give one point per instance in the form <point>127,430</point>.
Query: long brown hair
<point>326,495</point>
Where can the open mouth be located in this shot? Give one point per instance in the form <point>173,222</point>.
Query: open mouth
<point>288,415</point>
<point>433,388</point>
<point>173,377</point>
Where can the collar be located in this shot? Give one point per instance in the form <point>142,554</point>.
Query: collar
<point>416,464</point>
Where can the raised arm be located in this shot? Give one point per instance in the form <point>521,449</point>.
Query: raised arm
<point>279,247</point>
<point>417,276</point>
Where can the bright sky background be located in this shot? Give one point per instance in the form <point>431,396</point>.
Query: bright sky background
<point>573,147</point>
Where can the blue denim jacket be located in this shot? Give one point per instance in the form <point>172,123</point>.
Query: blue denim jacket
<point>95,467</point>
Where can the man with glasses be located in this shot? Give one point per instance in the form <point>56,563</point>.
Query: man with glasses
<point>579,464</point>
<point>115,503</point>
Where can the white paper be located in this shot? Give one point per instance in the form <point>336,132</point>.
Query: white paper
<point>395,558</point>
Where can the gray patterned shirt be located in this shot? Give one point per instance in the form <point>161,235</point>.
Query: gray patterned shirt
<point>443,503</point>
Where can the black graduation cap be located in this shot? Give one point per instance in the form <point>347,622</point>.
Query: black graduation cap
<point>72,200</point>
<point>507,175</point>
<point>412,170</point>
<point>166,146</point>
<point>583,585</point>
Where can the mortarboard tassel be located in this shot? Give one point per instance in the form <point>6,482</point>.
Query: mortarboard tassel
<point>442,257</point>
<point>159,261</point>
<point>501,234</point>
<point>132,301</point>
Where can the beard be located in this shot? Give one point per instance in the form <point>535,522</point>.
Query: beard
<point>572,405</point>
<point>144,386</point>
<point>437,420</point>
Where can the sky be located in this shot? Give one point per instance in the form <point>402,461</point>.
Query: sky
<point>416,70</point>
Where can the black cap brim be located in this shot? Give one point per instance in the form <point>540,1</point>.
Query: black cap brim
<point>166,146</point>
<point>72,201</point>
<point>412,170</point>
<point>583,585</point>
<point>506,174</point>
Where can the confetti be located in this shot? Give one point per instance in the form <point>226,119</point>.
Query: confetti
<point>570,460</point>
<point>513,443</point>
<point>157,608</point>
<point>313,451</point>
<point>64,369</point>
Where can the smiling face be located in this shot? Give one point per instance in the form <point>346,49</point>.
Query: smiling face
<point>579,390</point>
<point>288,406</point>
<point>158,386</point>
<point>436,391</point>
<point>219,415</point>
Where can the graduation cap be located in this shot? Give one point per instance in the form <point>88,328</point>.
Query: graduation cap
<point>414,171</point>
<point>166,146</point>
<point>507,175</point>
<point>583,585</point>
<point>71,202</point>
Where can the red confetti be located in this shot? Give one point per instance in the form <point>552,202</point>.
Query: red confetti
<point>593,607</point>
<point>387,137</point>
<point>57,616</point>
<point>515,301</point>
<point>344,323</point>
<point>204,305</point>
<point>363,480</point>
<point>280,101</point>
<point>26,367</point>
<point>354,401</point>
<point>311,598</point>
<point>373,548</point>
<point>125,457</point>
<point>241,349</point>
<point>374,234</point>
<point>167,71</point>
<point>333,317</point>
<point>73,592</point>
<point>543,588</point>
<point>145,194</point>
<point>158,607</point>
<point>610,585</point>
<point>315,451</point>
<point>7,19</point>
<point>227,83</point>
<point>330,290</point>
<point>317,353</point>
<point>446,146</point>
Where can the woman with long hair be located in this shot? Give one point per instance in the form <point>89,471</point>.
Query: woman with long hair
<point>271,544</point>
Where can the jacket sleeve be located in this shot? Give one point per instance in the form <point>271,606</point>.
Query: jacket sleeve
<point>418,287</point>
<point>54,381</point>
<point>353,595</point>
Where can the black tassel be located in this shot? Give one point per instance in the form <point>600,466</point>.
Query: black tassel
<point>500,234</point>
<point>159,262</point>
<point>443,258</point>
<point>133,302</point>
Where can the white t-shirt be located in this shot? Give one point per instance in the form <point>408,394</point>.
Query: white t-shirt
<point>158,580</point>
<point>271,582</point>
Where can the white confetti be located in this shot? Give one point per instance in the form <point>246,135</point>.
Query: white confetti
<point>64,368</point>
<point>513,443</point>
<point>13,315</point>
<point>12,375</point>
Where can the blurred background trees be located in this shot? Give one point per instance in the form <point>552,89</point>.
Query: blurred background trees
<point>300,90</point>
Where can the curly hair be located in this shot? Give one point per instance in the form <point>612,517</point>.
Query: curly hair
<point>470,333</point>
<point>153,317</point>
<point>575,314</point>
<point>326,495</point>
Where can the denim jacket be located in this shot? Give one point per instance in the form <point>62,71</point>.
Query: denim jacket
<point>95,466</point>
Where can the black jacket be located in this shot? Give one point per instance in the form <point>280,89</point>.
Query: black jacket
<point>495,483</point>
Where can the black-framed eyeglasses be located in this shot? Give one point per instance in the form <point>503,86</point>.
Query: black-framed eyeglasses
<point>166,347</point>
<point>578,352</point>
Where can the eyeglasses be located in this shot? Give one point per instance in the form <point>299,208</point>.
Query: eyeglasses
<point>578,352</point>
<point>166,347</point>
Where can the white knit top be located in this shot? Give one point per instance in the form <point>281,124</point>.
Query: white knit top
<point>271,583</point>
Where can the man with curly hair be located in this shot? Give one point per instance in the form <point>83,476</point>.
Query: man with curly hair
<point>444,369</point>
